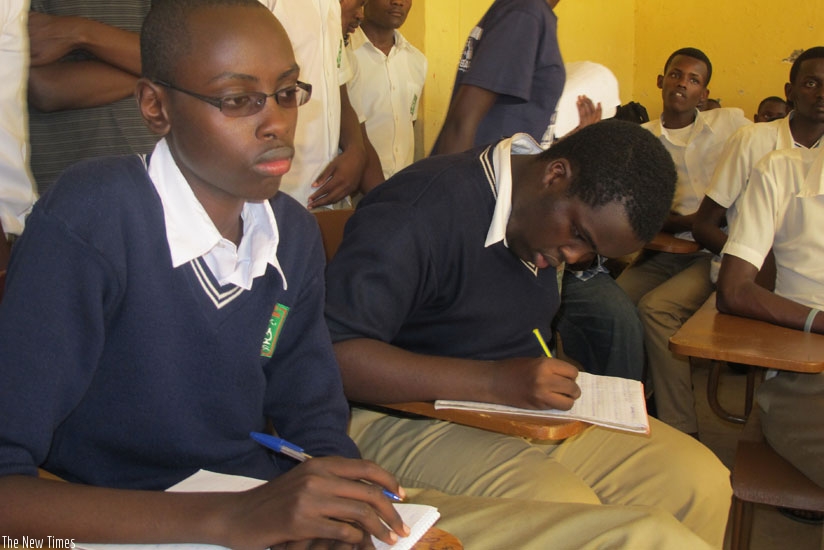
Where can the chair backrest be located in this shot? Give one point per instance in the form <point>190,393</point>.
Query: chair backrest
<point>331,224</point>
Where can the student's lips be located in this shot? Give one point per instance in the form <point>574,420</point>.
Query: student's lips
<point>274,162</point>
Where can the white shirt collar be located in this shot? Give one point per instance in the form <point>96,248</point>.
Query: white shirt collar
<point>519,144</point>
<point>191,234</point>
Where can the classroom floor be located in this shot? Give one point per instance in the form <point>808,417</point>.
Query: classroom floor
<point>771,530</point>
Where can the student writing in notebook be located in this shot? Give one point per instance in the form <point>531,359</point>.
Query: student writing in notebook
<point>150,325</point>
<point>444,271</point>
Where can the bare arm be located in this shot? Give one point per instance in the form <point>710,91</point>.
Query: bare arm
<point>77,85</point>
<point>676,223</point>
<point>466,111</point>
<point>739,294</point>
<point>53,37</point>
<point>377,372</point>
<point>56,83</point>
<point>343,175</point>
<point>709,220</point>
<point>320,499</point>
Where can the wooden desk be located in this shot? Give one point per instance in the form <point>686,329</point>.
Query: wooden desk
<point>667,242</point>
<point>713,335</point>
<point>438,539</point>
<point>542,429</point>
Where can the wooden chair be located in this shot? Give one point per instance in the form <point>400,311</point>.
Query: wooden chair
<point>762,476</point>
<point>331,224</point>
<point>667,242</point>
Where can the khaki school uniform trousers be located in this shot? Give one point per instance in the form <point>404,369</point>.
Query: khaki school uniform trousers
<point>667,472</point>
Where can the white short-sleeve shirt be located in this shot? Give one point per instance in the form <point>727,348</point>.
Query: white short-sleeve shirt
<point>386,91</point>
<point>314,28</point>
<point>697,157</point>
<point>17,193</point>
<point>781,208</point>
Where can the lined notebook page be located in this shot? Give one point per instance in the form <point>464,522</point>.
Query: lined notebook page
<point>419,517</point>
<point>608,401</point>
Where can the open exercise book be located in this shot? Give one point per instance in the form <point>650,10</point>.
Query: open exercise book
<point>608,401</point>
<point>419,517</point>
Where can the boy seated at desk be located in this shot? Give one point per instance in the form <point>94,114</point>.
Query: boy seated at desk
<point>782,207</point>
<point>160,309</point>
<point>443,273</point>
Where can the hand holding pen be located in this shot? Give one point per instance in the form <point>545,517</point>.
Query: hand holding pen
<point>321,499</point>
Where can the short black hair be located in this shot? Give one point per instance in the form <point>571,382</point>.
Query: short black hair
<point>619,161</point>
<point>694,53</point>
<point>812,53</point>
<point>165,38</point>
<point>774,98</point>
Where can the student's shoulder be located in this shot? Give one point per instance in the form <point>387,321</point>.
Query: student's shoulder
<point>731,117</point>
<point>292,218</point>
<point>536,8</point>
<point>103,182</point>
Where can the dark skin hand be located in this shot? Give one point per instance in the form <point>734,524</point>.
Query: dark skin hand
<point>321,499</point>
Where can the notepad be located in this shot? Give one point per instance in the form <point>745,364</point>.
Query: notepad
<point>419,517</point>
<point>607,401</point>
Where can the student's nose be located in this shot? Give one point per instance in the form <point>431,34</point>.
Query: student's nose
<point>276,121</point>
<point>574,255</point>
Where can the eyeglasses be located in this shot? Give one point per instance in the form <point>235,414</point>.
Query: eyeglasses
<point>250,103</point>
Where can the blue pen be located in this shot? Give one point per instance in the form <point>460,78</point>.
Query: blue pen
<point>290,449</point>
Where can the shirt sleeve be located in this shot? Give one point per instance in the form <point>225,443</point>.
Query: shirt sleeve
<point>505,56</point>
<point>732,169</point>
<point>751,236</point>
<point>380,275</point>
<point>59,293</point>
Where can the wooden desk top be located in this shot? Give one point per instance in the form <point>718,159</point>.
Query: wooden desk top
<point>713,335</point>
<point>667,242</point>
<point>524,426</point>
<point>438,539</point>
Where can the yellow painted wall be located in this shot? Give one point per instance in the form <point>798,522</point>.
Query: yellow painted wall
<point>745,39</point>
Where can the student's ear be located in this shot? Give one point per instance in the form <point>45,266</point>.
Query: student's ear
<point>788,92</point>
<point>557,172</point>
<point>660,82</point>
<point>704,95</point>
<point>151,100</point>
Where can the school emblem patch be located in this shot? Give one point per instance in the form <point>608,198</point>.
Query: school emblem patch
<point>273,331</point>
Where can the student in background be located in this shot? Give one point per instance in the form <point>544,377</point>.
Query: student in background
<point>462,255</point>
<point>85,61</point>
<point>710,104</point>
<point>388,80</point>
<point>330,153</point>
<point>771,108</point>
<point>803,128</point>
<point>668,287</point>
<point>509,78</point>
<point>351,15</point>
<point>781,209</point>
<point>17,193</point>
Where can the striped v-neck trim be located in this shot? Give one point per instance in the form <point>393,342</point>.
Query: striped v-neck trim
<point>219,298</point>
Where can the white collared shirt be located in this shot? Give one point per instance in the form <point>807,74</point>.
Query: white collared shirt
<point>519,144</point>
<point>385,90</point>
<point>695,160</point>
<point>191,234</point>
<point>781,208</point>
<point>743,150</point>
<point>314,28</point>
<point>17,193</point>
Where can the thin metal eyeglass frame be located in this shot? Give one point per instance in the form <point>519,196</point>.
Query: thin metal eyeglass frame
<point>218,101</point>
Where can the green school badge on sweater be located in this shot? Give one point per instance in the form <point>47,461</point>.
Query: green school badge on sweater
<point>273,332</point>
